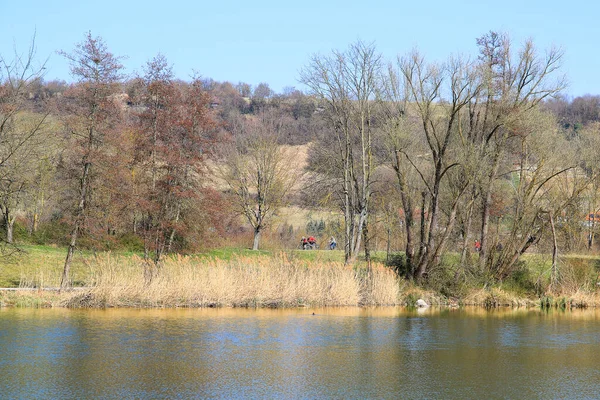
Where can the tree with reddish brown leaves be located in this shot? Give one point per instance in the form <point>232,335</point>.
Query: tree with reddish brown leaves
<point>172,127</point>
<point>92,112</point>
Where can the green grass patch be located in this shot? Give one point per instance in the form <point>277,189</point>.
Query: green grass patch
<point>227,253</point>
<point>42,266</point>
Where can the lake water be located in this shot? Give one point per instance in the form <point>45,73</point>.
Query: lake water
<point>336,353</point>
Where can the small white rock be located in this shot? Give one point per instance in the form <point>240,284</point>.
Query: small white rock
<point>421,303</point>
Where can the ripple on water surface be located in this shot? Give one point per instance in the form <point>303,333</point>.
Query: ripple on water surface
<point>341,353</point>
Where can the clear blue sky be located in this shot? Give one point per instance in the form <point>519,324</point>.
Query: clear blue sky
<point>270,41</point>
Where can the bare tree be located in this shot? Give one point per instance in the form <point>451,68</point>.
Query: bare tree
<point>155,122</point>
<point>538,196</point>
<point>588,139</point>
<point>22,152</point>
<point>512,85</point>
<point>399,125</point>
<point>470,114</point>
<point>258,173</point>
<point>348,82</point>
<point>21,132</point>
<point>434,95</point>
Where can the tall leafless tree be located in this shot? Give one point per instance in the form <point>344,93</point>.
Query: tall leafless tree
<point>259,174</point>
<point>22,130</point>
<point>347,82</point>
<point>512,85</point>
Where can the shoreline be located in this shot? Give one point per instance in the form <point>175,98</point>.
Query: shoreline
<point>91,298</point>
<point>282,281</point>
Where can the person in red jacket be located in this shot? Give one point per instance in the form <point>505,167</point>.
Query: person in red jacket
<point>304,243</point>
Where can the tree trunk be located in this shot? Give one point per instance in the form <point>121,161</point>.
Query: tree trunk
<point>358,234</point>
<point>172,235</point>
<point>64,282</point>
<point>426,257</point>
<point>35,223</point>
<point>407,207</point>
<point>367,245</point>
<point>436,252</point>
<point>348,217</point>
<point>466,241</point>
<point>9,230</point>
<point>9,221</point>
<point>78,222</point>
<point>592,224</point>
<point>485,214</point>
<point>257,232</point>
<point>159,245</point>
<point>554,277</point>
<point>388,244</point>
<point>420,270</point>
<point>37,212</point>
<point>408,229</point>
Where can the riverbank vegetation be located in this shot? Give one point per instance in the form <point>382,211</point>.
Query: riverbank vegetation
<point>240,281</point>
<point>466,180</point>
<point>243,278</point>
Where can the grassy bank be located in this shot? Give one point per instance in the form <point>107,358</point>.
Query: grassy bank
<point>41,266</point>
<point>36,266</point>
<point>241,278</point>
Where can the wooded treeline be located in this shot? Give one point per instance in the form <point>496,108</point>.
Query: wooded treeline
<point>483,154</point>
<point>433,156</point>
<point>110,161</point>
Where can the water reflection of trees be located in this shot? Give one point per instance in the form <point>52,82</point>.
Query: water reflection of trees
<point>349,352</point>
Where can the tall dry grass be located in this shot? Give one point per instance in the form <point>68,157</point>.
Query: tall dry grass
<point>269,281</point>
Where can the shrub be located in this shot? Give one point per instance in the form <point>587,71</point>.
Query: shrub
<point>577,274</point>
<point>397,262</point>
<point>131,242</point>
<point>521,280</point>
<point>52,233</point>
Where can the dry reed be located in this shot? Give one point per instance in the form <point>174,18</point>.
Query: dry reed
<point>256,281</point>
